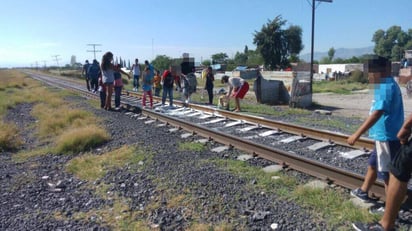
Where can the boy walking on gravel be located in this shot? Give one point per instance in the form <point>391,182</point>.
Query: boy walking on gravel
<point>385,118</point>
<point>400,174</point>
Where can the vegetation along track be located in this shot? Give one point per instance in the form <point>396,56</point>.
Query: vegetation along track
<point>319,153</point>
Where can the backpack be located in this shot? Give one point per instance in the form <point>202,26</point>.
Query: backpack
<point>167,79</point>
<point>192,82</point>
<point>94,71</point>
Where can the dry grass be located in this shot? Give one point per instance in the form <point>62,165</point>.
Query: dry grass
<point>81,139</point>
<point>208,227</point>
<point>72,130</point>
<point>92,167</point>
<point>9,137</point>
<point>54,120</point>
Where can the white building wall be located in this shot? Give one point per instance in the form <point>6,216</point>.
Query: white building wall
<point>333,67</point>
<point>340,67</point>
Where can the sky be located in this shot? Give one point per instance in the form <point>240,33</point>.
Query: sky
<point>39,32</point>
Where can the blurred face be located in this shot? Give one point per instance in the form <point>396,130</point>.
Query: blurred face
<point>110,58</point>
<point>375,77</point>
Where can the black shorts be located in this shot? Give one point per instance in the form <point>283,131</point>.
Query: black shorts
<point>401,165</point>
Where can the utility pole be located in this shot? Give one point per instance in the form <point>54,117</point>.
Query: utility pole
<point>45,65</point>
<point>94,49</point>
<point>313,39</point>
<point>56,58</point>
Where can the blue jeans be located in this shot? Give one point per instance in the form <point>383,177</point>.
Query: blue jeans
<point>167,91</point>
<point>102,99</point>
<point>157,91</point>
<point>117,94</point>
<point>136,81</point>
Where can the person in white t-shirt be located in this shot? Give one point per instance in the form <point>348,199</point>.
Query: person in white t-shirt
<point>136,69</point>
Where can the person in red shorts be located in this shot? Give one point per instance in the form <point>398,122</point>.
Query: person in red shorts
<point>238,88</point>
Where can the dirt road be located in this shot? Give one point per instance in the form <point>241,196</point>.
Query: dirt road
<point>356,104</point>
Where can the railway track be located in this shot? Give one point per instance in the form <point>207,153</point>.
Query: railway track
<point>289,145</point>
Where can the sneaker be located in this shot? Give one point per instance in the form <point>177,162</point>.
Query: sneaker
<point>377,210</point>
<point>359,226</point>
<point>361,195</point>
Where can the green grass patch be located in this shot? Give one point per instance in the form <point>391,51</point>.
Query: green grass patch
<point>118,216</point>
<point>332,205</point>
<point>191,146</point>
<point>338,87</point>
<point>23,156</point>
<point>81,139</point>
<point>92,167</point>
<point>264,180</point>
<point>208,227</point>
<point>262,109</point>
<point>329,205</point>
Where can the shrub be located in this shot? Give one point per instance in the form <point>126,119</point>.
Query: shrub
<point>9,139</point>
<point>358,76</point>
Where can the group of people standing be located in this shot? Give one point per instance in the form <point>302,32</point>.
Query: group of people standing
<point>106,79</point>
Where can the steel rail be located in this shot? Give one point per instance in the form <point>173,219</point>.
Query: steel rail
<point>333,137</point>
<point>317,169</point>
<point>314,168</point>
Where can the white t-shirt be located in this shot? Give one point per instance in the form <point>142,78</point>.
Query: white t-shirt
<point>136,69</point>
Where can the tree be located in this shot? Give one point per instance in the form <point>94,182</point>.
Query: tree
<point>246,50</point>
<point>121,61</point>
<point>276,45</point>
<point>240,58</point>
<point>392,43</point>
<point>331,54</point>
<point>325,60</point>
<point>254,58</point>
<point>162,62</point>
<point>206,62</point>
<point>219,58</point>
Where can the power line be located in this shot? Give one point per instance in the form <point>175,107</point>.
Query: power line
<point>94,49</point>
<point>56,58</point>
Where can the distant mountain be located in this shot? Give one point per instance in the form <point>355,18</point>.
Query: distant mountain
<point>343,53</point>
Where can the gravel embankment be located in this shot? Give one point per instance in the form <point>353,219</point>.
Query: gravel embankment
<point>40,195</point>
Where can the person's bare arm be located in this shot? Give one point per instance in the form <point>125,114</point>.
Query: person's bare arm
<point>405,130</point>
<point>123,72</point>
<point>368,123</point>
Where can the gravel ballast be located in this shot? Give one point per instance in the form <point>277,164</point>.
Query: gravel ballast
<point>40,195</point>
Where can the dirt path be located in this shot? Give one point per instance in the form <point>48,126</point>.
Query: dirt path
<point>356,104</point>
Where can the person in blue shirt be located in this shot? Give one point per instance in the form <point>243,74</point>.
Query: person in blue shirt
<point>385,118</point>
